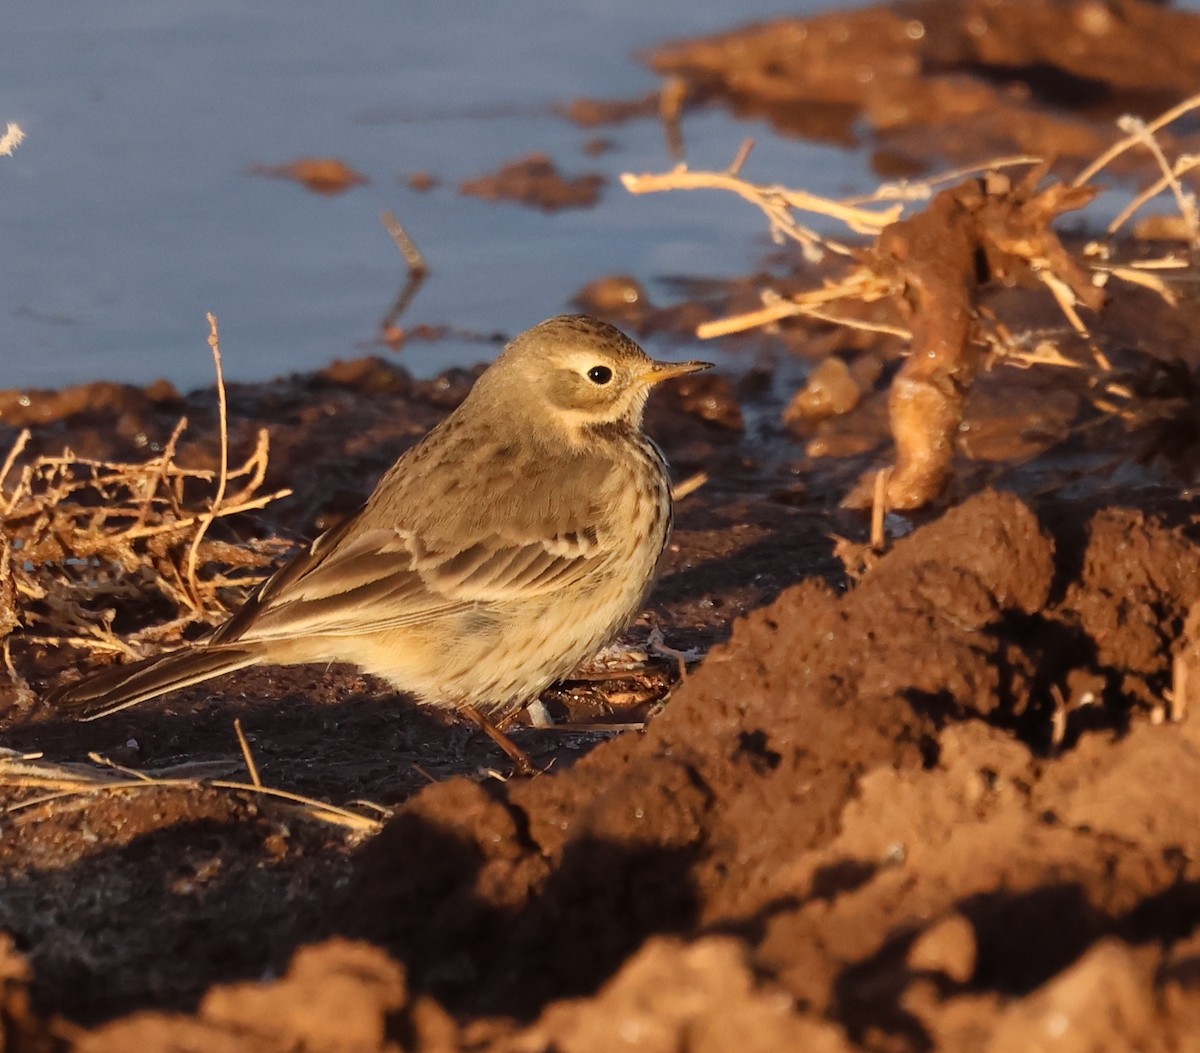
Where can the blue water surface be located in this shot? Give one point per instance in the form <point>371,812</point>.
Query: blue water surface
<point>129,211</point>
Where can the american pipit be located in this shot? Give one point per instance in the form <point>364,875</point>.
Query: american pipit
<point>517,539</point>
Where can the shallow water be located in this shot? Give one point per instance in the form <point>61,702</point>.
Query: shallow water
<point>129,210</point>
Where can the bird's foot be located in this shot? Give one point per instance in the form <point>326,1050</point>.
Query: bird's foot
<point>521,760</point>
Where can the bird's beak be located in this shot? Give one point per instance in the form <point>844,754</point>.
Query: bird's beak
<point>660,371</point>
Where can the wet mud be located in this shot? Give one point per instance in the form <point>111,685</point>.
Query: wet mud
<point>535,181</point>
<point>938,81</point>
<point>925,798</point>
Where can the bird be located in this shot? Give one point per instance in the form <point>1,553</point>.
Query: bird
<point>516,540</point>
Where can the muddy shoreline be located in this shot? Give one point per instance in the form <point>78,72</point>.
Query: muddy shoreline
<point>912,805</point>
<point>924,786</point>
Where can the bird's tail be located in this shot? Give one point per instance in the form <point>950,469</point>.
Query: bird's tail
<point>126,685</point>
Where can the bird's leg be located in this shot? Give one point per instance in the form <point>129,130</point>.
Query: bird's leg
<point>657,645</point>
<point>518,756</point>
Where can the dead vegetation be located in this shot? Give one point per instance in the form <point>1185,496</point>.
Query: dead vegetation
<point>38,788</point>
<point>87,545</point>
<point>922,277</point>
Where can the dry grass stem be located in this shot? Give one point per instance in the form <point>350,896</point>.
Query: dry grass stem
<point>83,783</point>
<point>741,157</point>
<point>1135,138</point>
<point>1044,353</point>
<point>205,521</point>
<point>17,449</point>
<point>1066,299</point>
<point>860,286</point>
<point>1138,276</point>
<point>688,486</point>
<point>244,743</point>
<point>1161,263</point>
<point>1183,164</point>
<point>418,270</point>
<point>922,189</point>
<point>1185,201</point>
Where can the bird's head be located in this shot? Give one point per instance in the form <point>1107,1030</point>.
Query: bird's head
<point>577,373</point>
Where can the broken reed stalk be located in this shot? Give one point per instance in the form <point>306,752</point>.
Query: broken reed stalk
<point>418,270</point>
<point>404,242</point>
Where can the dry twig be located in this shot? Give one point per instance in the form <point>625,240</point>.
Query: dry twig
<point>776,202</point>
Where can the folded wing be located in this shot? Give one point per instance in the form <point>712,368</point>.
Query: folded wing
<point>385,579</point>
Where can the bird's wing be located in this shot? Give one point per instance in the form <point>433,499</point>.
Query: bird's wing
<point>383,579</point>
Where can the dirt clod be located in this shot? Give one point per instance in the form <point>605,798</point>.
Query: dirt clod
<point>321,175</point>
<point>959,79</point>
<point>337,997</point>
<point>536,181</point>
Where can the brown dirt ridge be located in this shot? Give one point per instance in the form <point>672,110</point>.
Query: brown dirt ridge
<point>853,827</point>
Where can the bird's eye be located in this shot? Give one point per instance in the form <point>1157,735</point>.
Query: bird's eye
<point>599,374</point>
